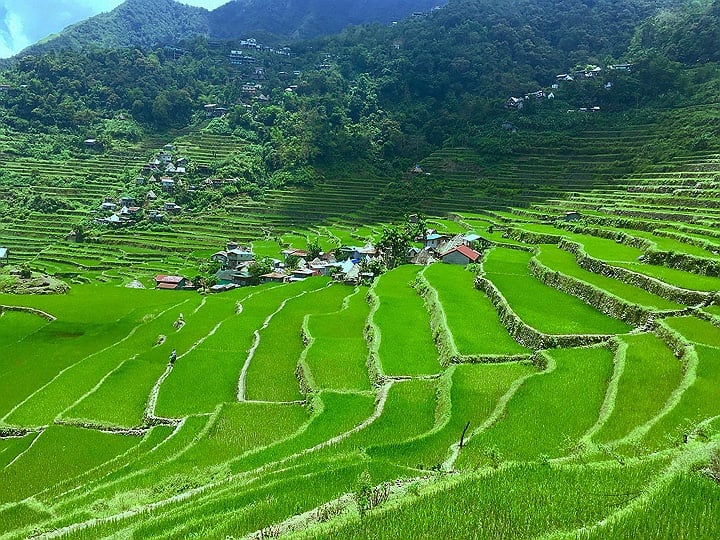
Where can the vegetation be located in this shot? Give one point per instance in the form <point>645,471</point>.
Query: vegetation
<point>329,409</point>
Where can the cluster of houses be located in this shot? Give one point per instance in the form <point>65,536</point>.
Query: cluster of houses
<point>252,44</point>
<point>450,249</point>
<point>587,72</point>
<point>164,172</point>
<point>347,264</point>
<point>126,210</point>
<point>343,265</point>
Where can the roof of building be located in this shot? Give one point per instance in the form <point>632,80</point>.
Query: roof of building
<point>3,252</point>
<point>167,285</point>
<point>471,237</point>
<point>168,279</point>
<point>468,252</point>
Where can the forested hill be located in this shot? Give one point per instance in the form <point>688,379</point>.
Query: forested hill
<point>135,23</point>
<point>385,95</point>
<point>308,18</point>
<point>150,23</point>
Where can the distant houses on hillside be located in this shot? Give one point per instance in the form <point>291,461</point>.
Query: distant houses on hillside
<point>586,72</point>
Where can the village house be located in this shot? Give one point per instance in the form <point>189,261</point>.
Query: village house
<point>301,274</point>
<point>358,253</point>
<point>213,110</point>
<point>348,272</point>
<point>233,258</point>
<point>251,88</point>
<point>572,216</point>
<point>236,57</point>
<point>470,239</point>
<point>238,277</point>
<point>167,183</point>
<point>127,200</point>
<point>433,240</point>
<point>514,103</point>
<point>155,216</point>
<point>172,283</point>
<point>292,252</point>
<point>323,268</point>
<point>172,207</point>
<point>273,277</point>
<point>460,255</point>
<point>4,255</point>
<point>539,94</point>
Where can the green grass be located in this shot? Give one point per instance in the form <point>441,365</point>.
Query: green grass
<point>16,327</point>
<point>338,354</point>
<point>407,347</point>
<point>677,278</point>
<point>271,375</point>
<point>471,317</point>
<point>695,330</point>
<point>531,299</point>
<point>550,411</point>
<point>564,262</point>
<point>59,453</point>
<point>206,373</point>
<point>650,375</point>
<point>496,504</point>
<point>474,394</point>
<point>699,402</point>
<point>11,448</point>
<point>81,355</point>
<point>409,412</point>
<point>687,509</point>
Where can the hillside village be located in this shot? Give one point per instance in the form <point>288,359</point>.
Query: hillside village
<point>238,266</point>
<point>576,75</point>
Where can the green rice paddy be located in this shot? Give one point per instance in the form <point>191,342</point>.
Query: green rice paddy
<point>322,410</point>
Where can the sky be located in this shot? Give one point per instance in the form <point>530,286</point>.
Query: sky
<point>24,22</point>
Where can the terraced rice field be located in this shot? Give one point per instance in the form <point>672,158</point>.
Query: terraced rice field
<point>414,405</point>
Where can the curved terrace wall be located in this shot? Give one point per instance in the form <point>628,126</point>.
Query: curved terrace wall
<point>652,285</point>
<point>527,335</point>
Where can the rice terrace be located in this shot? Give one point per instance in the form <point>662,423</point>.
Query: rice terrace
<point>566,384</point>
<point>346,288</point>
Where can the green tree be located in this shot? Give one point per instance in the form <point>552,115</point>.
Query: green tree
<point>259,268</point>
<point>394,245</point>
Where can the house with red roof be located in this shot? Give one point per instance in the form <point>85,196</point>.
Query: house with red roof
<point>460,255</point>
<point>176,283</point>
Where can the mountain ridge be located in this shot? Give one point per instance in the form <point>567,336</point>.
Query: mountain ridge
<point>152,23</point>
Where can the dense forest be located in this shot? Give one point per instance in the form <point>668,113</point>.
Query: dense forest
<point>380,94</point>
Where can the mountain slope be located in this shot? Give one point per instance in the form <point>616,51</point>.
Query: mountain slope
<point>151,23</point>
<point>135,23</point>
<point>308,18</point>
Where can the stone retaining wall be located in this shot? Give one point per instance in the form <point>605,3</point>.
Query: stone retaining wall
<point>525,334</point>
<point>652,285</point>
<point>30,310</point>
<point>590,294</point>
